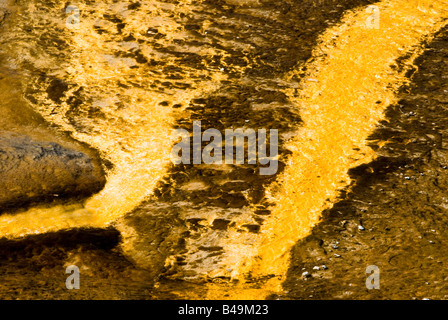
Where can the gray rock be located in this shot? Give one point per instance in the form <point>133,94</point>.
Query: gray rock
<point>34,171</point>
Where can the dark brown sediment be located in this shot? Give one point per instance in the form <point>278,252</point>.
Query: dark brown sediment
<point>34,267</point>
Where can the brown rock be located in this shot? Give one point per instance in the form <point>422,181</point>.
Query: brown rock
<point>34,171</point>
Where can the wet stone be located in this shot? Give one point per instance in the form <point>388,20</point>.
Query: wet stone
<point>36,171</point>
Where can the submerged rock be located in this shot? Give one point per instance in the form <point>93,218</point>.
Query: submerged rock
<point>34,171</point>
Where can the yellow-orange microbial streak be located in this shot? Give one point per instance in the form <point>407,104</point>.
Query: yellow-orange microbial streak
<point>344,95</point>
<point>135,136</point>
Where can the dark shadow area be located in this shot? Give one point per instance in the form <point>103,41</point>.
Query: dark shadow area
<point>34,267</point>
<point>103,239</point>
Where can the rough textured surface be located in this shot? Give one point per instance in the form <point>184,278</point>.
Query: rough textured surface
<point>397,205</point>
<point>34,267</point>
